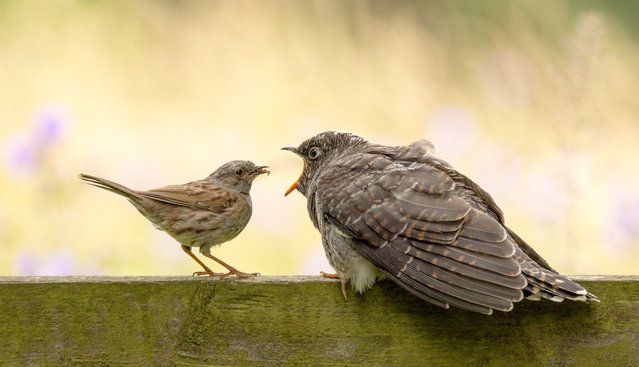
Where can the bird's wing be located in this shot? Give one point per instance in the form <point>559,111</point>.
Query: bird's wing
<point>408,221</point>
<point>196,195</point>
<point>423,151</point>
<point>418,151</point>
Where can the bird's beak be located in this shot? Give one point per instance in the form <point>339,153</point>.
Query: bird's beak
<point>261,170</point>
<point>294,185</point>
<point>291,149</point>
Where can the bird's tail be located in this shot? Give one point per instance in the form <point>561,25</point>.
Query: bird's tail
<point>111,186</point>
<point>544,283</point>
<point>543,280</point>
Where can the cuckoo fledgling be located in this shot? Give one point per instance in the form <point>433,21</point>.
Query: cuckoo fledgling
<point>403,213</point>
<point>202,213</point>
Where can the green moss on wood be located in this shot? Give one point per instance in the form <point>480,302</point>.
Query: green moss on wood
<point>271,321</point>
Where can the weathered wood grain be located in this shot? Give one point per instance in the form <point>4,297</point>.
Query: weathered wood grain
<point>293,320</point>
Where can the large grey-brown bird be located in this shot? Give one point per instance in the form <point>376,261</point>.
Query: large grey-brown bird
<point>202,213</point>
<point>403,213</point>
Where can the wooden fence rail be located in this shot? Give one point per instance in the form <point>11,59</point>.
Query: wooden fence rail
<point>299,320</point>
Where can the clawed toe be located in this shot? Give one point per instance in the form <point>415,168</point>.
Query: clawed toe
<point>239,274</point>
<point>329,275</point>
<point>335,276</point>
<point>206,273</point>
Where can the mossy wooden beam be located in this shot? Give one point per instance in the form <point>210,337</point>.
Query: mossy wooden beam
<point>293,320</point>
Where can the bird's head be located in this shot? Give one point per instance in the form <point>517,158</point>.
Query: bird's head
<point>318,151</point>
<point>237,175</point>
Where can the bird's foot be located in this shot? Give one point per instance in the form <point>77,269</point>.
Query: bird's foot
<point>335,276</point>
<point>239,274</point>
<point>329,275</point>
<point>209,273</point>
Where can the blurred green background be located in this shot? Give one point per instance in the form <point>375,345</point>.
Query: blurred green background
<point>537,101</point>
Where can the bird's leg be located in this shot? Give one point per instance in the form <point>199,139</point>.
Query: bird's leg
<point>344,289</point>
<point>206,271</point>
<point>335,276</point>
<point>232,271</point>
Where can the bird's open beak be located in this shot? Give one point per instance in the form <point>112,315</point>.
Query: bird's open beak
<point>259,170</point>
<point>294,185</point>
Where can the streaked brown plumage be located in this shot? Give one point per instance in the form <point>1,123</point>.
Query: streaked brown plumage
<point>202,213</point>
<point>403,213</point>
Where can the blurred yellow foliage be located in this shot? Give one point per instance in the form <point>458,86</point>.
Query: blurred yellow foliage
<point>536,101</point>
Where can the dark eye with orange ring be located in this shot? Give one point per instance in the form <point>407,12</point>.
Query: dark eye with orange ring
<point>314,153</point>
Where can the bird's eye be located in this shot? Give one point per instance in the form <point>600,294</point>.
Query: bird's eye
<point>314,153</point>
<point>238,172</point>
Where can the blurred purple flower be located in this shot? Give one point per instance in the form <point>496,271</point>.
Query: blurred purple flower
<point>49,125</point>
<point>628,217</point>
<point>20,154</point>
<point>26,150</point>
<point>622,220</point>
<point>60,263</point>
<point>26,263</point>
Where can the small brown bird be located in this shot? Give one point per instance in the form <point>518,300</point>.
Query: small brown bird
<point>402,213</point>
<point>202,213</point>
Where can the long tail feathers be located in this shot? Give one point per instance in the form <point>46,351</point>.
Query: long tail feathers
<point>110,186</point>
<point>543,280</point>
<point>544,283</point>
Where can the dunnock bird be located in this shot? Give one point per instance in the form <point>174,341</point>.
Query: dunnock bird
<point>402,213</point>
<point>202,213</point>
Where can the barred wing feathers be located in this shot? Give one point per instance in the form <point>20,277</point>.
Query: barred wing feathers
<point>408,220</point>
